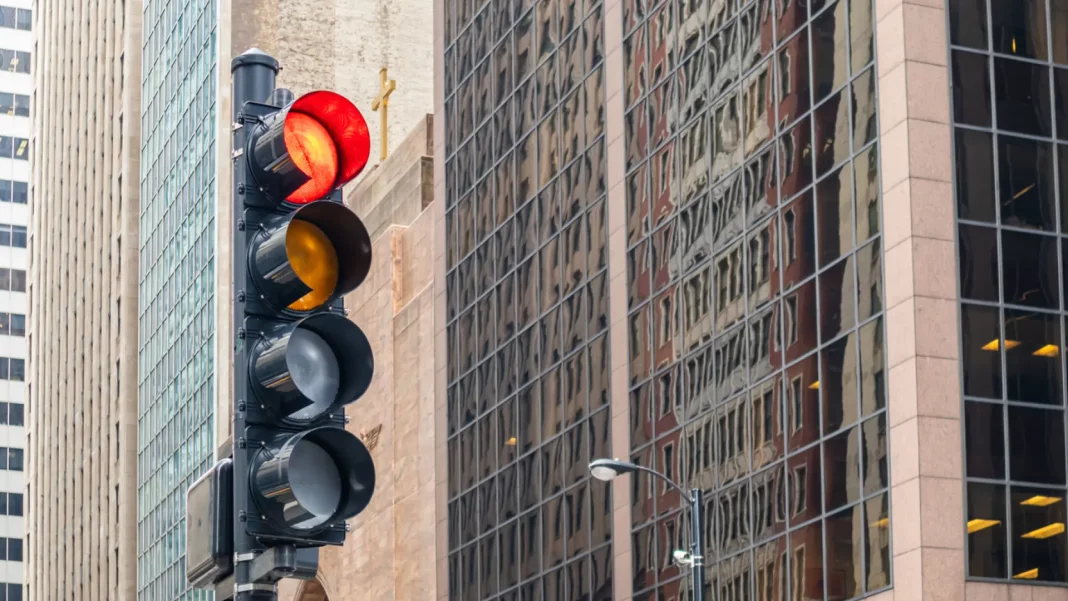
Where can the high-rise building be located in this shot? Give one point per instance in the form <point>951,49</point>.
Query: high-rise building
<point>16,89</point>
<point>82,373</point>
<point>804,255</point>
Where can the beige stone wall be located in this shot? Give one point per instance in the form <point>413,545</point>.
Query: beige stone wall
<point>389,553</point>
<point>82,370</point>
<point>321,44</point>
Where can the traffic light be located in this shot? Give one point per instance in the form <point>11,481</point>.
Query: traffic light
<point>298,474</point>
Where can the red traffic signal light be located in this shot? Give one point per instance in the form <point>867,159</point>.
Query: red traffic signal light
<point>314,145</point>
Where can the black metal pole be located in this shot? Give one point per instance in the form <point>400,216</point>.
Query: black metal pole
<point>252,80</point>
<point>696,548</point>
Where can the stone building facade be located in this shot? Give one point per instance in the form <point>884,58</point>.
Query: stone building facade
<point>82,378</point>
<point>389,554</point>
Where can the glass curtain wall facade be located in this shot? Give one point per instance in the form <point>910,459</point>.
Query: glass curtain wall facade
<point>1009,63</point>
<point>178,195</point>
<point>755,296</point>
<point>528,382</point>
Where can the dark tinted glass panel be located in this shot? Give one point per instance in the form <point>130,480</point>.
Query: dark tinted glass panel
<point>1020,27</point>
<point>978,262</point>
<point>981,352</point>
<point>987,530</point>
<point>1037,518</point>
<point>984,439</point>
<point>968,23</point>
<point>1030,271</point>
<point>1026,183</point>
<point>971,88</point>
<point>974,175</point>
<point>1033,357</point>
<point>1036,445</point>
<point>1023,96</point>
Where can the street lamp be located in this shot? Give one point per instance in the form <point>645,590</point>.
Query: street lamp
<point>607,470</point>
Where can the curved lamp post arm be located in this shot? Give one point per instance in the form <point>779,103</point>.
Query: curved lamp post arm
<point>683,492</point>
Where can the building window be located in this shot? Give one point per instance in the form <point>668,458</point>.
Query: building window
<point>12,369</point>
<point>15,18</point>
<point>14,148</point>
<point>15,61</point>
<point>17,105</point>
<point>12,191</point>
<point>11,503</point>
<point>1011,145</point>
<point>12,235</point>
<point>12,414</point>
<point>13,280</point>
<point>10,549</point>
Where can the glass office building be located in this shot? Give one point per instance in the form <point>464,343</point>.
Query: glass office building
<point>755,296</point>
<point>1009,63</point>
<point>835,239</point>
<point>176,328</point>
<point>528,385</point>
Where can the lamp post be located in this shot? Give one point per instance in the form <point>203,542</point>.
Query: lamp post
<point>607,470</point>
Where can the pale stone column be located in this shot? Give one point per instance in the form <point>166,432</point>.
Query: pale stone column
<point>925,421</point>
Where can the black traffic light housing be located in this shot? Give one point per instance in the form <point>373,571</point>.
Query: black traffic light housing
<point>298,474</point>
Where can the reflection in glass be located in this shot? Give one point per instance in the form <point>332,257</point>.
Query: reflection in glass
<point>1026,183</point>
<point>838,383</point>
<point>837,297</point>
<point>864,105</point>
<point>877,542</point>
<point>873,459</point>
<point>645,557</point>
<point>872,367</point>
<point>804,486</point>
<point>841,469</point>
<point>1038,534</point>
<point>981,351</point>
<point>806,562</point>
<point>845,535</point>
<point>792,78</point>
<point>978,248</point>
<point>798,240</point>
<point>831,128</point>
<point>828,38</point>
<point>834,206</point>
<point>795,159</point>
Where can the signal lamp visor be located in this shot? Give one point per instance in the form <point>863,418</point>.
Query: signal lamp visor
<point>312,368</point>
<point>312,479</point>
<point>311,147</point>
<point>305,260</point>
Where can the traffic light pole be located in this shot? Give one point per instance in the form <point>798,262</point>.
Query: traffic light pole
<point>253,79</point>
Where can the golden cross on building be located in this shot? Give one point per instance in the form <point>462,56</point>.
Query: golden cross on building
<point>385,88</point>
